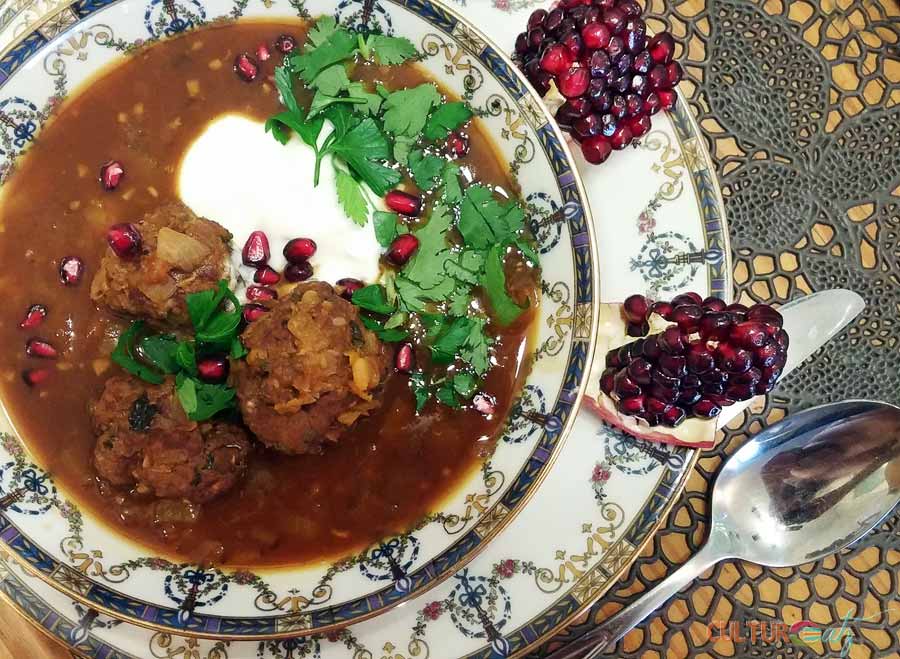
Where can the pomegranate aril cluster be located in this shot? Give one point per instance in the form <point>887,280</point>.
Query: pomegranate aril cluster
<point>613,77</point>
<point>711,356</point>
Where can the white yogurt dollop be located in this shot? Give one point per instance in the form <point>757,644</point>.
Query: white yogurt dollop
<point>236,174</point>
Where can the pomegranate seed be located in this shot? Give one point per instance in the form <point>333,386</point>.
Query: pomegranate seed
<point>572,41</point>
<point>246,67</point>
<point>670,341</point>
<point>737,311</point>
<point>783,340</point>
<point>740,391</point>
<point>253,312</point>
<point>125,240</point>
<point>765,386</point>
<point>715,325</point>
<point>663,309</point>
<point>111,174</point>
<point>636,308</point>
<point>625,387</point>
<point>635,39</point>
<point>522,45</point>
<point>34,316</point>
<point>652,104</point>
<point>749,334</point>
<point>538,16</point>
<point>657,78</point>
<point>212,369</point>
<point>616,46</point>
<point>687,298</point>
<point>675,366</point>
<point>651,349</point>
<point>607,381</point>
<point>674,416</point>
<point>535,38</point>
<point>574,81</point>
<point>630,7</point>
<point>35,347</point>
<point>765,314</point>
<point>668,394</point>
<point>732,359</point>
<point>592,15</point>
<point>687,316</point>
<point>706,409</point>
<point>640,370</point>
<point>299,250</point>
<point>348,286</point>
<point>614,19</point>
<point>542,82</point>
<point>588,127</point>
<point>266,276</point>
<point>674,73</point>
<point>285,44</point>
<point>612,359</point>
<point>632,405</point>
<point>752,376</point>
<point>256,250</point>
<point>402,249</point>
<point>688,397</point>
<point>640,126</point>
<point>691,381</point>
<point>600,64</point>
<point>556,59</point>
<point>458,145</point>
<point>595,36</point>
<point>621,137</point>
<point>667,98</point>
<point>261,293</point>
<point>714,304</point>
<point>71,269</point>
<point>484,404</point>
<point>295,272</point>
<point>403,203</point>
<point>699,358</point>
<point>35,376</point>
<point>634,104</point>
<point>656,406</point>
<point>554,20</point>
<point>662,48</point>
<point>405,359</point>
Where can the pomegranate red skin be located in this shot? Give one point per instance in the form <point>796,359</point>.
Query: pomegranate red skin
<point>596,149</point>
<point>256,250</point>
<point>404,362</point>
<point>111,174</point>
<point>402,249</point>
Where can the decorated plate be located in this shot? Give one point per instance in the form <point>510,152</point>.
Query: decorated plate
<point>88,562</point>
<point>660,211</point>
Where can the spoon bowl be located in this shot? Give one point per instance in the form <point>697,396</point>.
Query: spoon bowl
<point>810,485</point>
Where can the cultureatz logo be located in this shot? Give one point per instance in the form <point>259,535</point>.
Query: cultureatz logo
<point>804,633</point>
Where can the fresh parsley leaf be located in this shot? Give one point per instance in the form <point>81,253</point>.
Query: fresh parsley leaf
<point>452,339</point>
<point>402,147</point>
<point>446,394</point>
<point>505,309</point>
<point>426,169</point>
<point>528,251</point>
<point>373,298</point>
<point>322,30</point>
<point>238,351</point>
<point>202,305</point>
<point>447,118</point>
<point>124,355</point>
<point>308,131</point>
<point>202,401</point>
<point>451,193</point>
<point>373,101</point>
<point>321,101</point>
<point>406,110</point>
<point>426,267</point>
<point>333,80</point>
<point>397,320</point>
<point>316,57</point>
<point>466,267</point>
<point>476,351</point>
<point>419,385</point>
<point>386,334</point>
<point>351,197</point>
<point>465,384</point>
<point>160,350</point>
<point>484,221</point>
<point>390,50</point>
<point>363,147</point>
<point>385,227</point>
<point>460,301</point>
<point>186,356</point>
<point>285,85</point>
<point>412,296</point>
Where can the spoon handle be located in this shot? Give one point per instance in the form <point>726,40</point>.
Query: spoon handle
<point>611,630</point>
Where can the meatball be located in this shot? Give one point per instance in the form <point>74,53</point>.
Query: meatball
<point>311,371</point>
<point>181,253</point>
<point>145,440</point>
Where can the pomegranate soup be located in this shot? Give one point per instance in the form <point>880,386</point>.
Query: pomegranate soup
<point>267,293</point>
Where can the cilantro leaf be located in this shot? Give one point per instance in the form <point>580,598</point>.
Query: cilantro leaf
<point>402,147</point>
<point>160,350</point>
<point>373,298</point>
<point>426,267</point>
<point>528,251</point>
<point>318,56</point>
<point>324,28</point>
<point>466,267</point>
<point>451,193</point>
<point>385,227</point>
<point>285,85</point>
<point>351,197</point>
<point>202,401</point>
<point>420,389</point>
<point>321,101</point>
<point>446,394</point>
<point>504,308</point>
<point>362,147</point>
<point>406,110</point>
<point>476,351</point>
<point>390,50</point>
<point>373,101</point>
<point>413,296</point>
<point>448,117</point>
<point>465,384</point>
<point>386,334</point>
<point>484,221</point>
<point>237,351</point>
<point>124,355</point>
<point>460,301</point>
<point>426,169</point>
<point>186,356</point>
<point>332,81</point>
<point>452,339</point>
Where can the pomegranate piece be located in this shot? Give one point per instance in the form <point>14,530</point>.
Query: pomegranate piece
<point>299,250</point>
<point>732,359</point>
<point>40,348</point>
<point>253,311</point>
<point>572,41</point>
<point>111,174</point>
<point>608,381</point>
<point>633,406</point>
<point>556,59</point>
<point>35,315</point>
<point>71,270</point>
<point>255,293</point>
<point>596,36</point>
<point>749,335</point>
<point>614,19</point>
<point>246,68</point>
<point>671,341</point>
<point>295,272</point>
<point>714,304</point>
<point>674,366</point>
<point>637,329</point>
<point>687,316</point>
<point>458,145</point>
<point>256,250</point>
<point>625,387</point>
<point>699,359</point>
<point>674,74</point>
<point>667,98</point>
<point>640,370</point>
<point>405,358</point>
<point>402,249</point>
<point>212,369</point>
<point>687,298</point>
<point>348,286</point>
<point>403,203</point>
<point>766,314</point>
<point>639,126</point>
<point>266,276</point>
<point>537,18</point>
<point>715,325</point>
<point>636,308</point>
<point>484,404</point>
<point>621,137</point>
<point>706,409</point>
<point>662,47</point>
<point>125,240</point>
<point>674,416</point>
<point>574,81</point>
<point>285,44</point>
<point>35,376</point>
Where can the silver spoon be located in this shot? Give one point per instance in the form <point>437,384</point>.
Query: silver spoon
<point>800,490</point>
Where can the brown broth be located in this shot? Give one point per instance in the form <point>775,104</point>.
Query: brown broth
<point>390,470</point>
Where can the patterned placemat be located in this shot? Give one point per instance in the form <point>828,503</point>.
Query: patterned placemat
<point>800,106</point>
